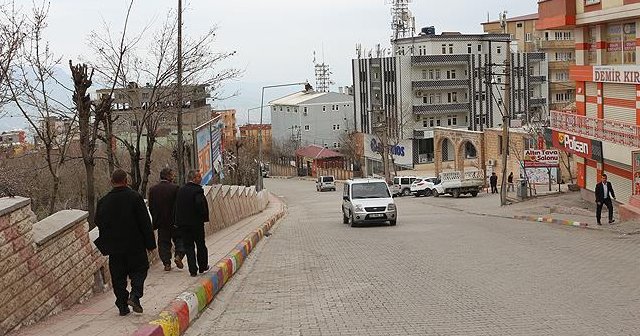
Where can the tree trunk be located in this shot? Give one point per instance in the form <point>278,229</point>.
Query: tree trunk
<point>54,194</point>
<point>147,165</point>
<point>108,127</point>
<point>91,194</point>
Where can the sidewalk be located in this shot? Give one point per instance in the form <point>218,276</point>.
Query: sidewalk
<point>99,316</point>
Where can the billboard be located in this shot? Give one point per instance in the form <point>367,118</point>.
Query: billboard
<point>208,139</point>
<point>541,158</point>
<point>402,152</point>
<point>580,146</point>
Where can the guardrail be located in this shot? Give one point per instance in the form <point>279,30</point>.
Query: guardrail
<point>622,133</point>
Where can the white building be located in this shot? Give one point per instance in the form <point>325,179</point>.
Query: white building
<point>305,118</point>
<point>450,80</point>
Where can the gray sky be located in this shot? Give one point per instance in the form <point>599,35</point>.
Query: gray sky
<point>275,39</point>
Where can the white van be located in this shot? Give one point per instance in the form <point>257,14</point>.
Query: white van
<point>368,201</point>
<point>326,183</point>
<point>402,185</point>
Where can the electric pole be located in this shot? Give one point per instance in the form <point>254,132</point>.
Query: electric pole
<point>506,120</point>
<point>180,152</point>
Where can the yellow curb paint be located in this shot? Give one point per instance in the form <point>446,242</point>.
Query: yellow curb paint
<point>169,324</point>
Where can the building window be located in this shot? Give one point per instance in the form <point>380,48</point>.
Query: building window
<point>326,145</point>
<point>288,109</point>
<point>519,25</point>
<point>621,46</point>
<point>324,108</point>
<point>425,123</point>
<point>437,122</point>
<point>424,74</point>
<point>499,49</point>
<point>469,48</point>
<point>431,122</point>
<point>305,110</point>
<point>295,110</point>
<point>451,48</point>
<point>280,108</point>
<point>479,47</point>
<point>444,48</point>
<point>437,73</point>
<point>451,74</point>
<point>452,120</point>
<point>336,127</point>
<point>431,74</point>
<point>438,98</point>
<point>452,97</point>
<point>527,37</point>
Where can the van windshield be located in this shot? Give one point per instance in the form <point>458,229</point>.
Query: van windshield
<point>327,179</point>
<point>370,190</point>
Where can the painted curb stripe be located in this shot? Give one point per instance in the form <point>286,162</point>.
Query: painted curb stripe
<point>552,220</point>
<point>192,303</point>
<point>182,311</point>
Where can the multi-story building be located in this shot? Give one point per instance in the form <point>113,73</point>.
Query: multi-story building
<point>133,104</point>
<point>230,131</point>
<point>559,46</point>
<point>309,117</point>
<point>250,134</point>
<point>14,137</point>
<point>451,80</point>
<point>604,132</point>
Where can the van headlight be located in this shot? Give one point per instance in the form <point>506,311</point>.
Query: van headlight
<point>391,207</point>
<point>359,208</point>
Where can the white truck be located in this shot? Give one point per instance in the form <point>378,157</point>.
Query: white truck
<point>459,183</point>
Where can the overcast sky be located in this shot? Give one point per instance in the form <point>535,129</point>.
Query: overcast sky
<point>275,39</point>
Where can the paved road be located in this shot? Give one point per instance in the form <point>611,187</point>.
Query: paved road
<point>441,271</point>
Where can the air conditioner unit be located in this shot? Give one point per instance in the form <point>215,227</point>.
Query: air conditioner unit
<point>419,94</point>
<point>418,117</point>
<point>491,163</point>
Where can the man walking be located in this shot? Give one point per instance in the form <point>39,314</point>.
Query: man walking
<point>493,181</point>
<point>126,234</point>
<point>192,212</point>
<point>604,193</point>
<point>162,204</point>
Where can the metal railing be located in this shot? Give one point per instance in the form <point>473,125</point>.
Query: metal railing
<point>621,133</point>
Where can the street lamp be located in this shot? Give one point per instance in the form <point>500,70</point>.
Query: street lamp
<point>307,87</point>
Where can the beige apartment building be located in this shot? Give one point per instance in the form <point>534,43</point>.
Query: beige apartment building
<point>558,45</point>
<point>230,131</point>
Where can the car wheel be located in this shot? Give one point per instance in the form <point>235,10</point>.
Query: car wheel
<point>456,193</point>
<point>392,222</point>
<point>345,219</point>
<point>474,193</point>
<point>406,192</point>
<point>417,194</point>
<point>352,222</point>
<point>427,193</point>
<point>435,193</point>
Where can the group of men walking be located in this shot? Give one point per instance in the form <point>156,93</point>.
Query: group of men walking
<point>126,231</point>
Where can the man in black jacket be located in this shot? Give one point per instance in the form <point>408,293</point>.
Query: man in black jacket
<point>604,193</point>
<point>192,211</point>
<point>493,181</point>
<point>162,203</point>
<point>125,229</point>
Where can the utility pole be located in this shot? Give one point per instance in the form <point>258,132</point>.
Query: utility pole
<point>506,120</point>
<point>180,154</point>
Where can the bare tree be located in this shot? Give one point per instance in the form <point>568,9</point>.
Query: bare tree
<point>33,86</point>
<point>143,117</point>
<point>13,30</point>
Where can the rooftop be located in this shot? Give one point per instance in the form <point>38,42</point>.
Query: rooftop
<point>317,152</point>
<point>249,127</point>
<point>454,36</point>
<point>528,17</point>
<point>309,97</point>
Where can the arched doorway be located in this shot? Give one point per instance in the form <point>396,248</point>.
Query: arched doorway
<point>448,150</point>
<point>468,156</point>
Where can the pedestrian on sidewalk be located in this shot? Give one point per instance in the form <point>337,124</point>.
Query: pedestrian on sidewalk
<point>162,205</point>
<point>510,186</point>
<point>493,181</point>
<point>126,235</point>
<point>604,194</point>
<point>192,211</point>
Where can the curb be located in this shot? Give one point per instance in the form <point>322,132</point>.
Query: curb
<point>174,319</point>
<point>552,221</point>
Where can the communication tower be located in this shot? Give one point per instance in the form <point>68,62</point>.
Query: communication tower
<point>403,23</point>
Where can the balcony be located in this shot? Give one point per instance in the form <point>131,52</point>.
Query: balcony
<point>537,101</point>
<point>442,108</point>
<point>621,133</point>
<point>536,56</point>
<point>556,14</point>
<point>441,83</point>
<point>444,59</point>
<point>537,79</point>
<point>560,65</point>
<point>557,44</point>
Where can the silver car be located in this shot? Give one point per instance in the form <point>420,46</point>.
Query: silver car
<point>326,183</point>
<point>368,201</point>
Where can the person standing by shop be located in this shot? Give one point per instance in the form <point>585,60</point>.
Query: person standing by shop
<point>604,194</point>
<point>510,186</point>
<point>493,181</point>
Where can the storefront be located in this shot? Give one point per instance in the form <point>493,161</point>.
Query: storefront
<point>402,153</point>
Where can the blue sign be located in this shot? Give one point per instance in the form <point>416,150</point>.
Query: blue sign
<point>396,150</point>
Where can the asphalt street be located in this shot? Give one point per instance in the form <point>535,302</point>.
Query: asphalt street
<point>443,270</point>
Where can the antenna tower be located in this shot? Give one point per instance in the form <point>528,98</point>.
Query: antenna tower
<point>323,76</point>
<point>403,23</point>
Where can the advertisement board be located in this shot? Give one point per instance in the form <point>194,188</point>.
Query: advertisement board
<point>577,145</point>
<point>203,148</point>
<point>216,146</point>
<point>402,152</point>
<point>623,74</point>
<point>541,158</point>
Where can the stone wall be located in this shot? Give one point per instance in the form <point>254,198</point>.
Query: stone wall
<point>45,266</point>
<point>48,266</point>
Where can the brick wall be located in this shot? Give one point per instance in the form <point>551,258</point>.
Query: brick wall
<point>48,266</point>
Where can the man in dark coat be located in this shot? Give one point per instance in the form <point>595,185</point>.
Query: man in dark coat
<point>604,194</point>
<point>493,181</point>
<point>126,233</point>
<point>192,212</point>
<point>162,203</point>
